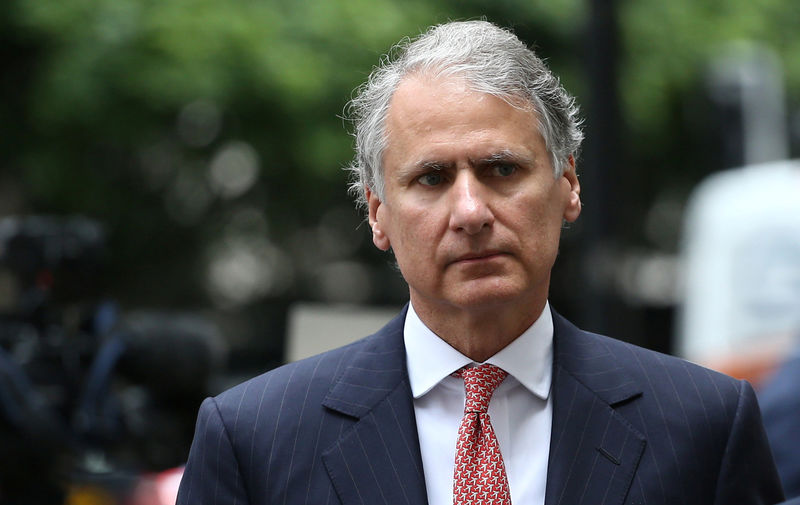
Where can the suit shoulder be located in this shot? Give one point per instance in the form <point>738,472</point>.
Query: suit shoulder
<point>310,377</point>
<point>610,363</point>
<point>646,362</point>
<point>670,382</point>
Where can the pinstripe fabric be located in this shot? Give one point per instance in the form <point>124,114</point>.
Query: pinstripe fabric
<point>630,426</point>
<point>335,428</point>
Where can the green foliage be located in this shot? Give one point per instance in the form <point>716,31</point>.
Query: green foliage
<point>103,104</point>
<point>118,109</point>
<point>668,45</point>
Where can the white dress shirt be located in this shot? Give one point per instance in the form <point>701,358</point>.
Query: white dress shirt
<point>521,409</point>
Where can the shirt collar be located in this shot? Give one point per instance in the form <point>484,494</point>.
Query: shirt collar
<point>529,358</point>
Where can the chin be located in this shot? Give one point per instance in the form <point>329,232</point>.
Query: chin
<point>483,295</point>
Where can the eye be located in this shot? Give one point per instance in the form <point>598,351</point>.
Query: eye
<point>430,179</point>
<point>504,169</point>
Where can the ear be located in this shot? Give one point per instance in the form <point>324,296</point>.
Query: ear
<point>374,204</point>
<point>573,207</point>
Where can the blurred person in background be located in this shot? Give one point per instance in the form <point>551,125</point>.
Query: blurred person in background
<point>780,401</point>
<point>478,391</point>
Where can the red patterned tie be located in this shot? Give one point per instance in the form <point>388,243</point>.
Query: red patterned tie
<point>480,476</point>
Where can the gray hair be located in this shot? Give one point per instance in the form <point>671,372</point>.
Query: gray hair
<point>492,60</point>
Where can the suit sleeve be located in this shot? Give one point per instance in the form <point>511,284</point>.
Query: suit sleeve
<point>748,475</point>
<point>212,475</point>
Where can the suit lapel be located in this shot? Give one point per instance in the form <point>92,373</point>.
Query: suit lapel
<point>594,452</point>
<point>378,459</point>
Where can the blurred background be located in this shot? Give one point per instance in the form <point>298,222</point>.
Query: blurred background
<point>173,207</point>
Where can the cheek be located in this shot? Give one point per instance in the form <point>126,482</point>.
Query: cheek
<point>539,224</point>
<point>415,234</point>
<point>406,228</point>
<point>421,239</point>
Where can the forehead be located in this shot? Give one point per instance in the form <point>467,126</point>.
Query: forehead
<point>444,90</point>
<point>434,116</point>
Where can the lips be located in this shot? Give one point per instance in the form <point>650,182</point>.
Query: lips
<point>478,256</point>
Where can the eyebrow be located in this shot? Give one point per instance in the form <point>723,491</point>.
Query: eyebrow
<point>505,156</point>
<point>433,165</point>
<point>422,167</point>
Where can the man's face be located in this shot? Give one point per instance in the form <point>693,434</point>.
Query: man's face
<point>471,208</point>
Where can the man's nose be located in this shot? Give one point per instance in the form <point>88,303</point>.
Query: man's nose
<point>470,211</point>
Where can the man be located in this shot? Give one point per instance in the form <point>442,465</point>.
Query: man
<point>466,149</point>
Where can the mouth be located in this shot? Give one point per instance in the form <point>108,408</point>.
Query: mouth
<point>478,257</point>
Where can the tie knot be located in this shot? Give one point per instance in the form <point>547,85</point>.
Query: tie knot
<point>479,384</point>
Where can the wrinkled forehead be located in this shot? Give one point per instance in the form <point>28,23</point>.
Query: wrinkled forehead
<point>519,99</point>
<point>418,96</point>
<point>444,119</point>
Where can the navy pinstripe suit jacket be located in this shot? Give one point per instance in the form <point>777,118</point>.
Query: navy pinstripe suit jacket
<point>630,426</point>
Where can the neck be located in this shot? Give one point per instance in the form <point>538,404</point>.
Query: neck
<point>480,333</point>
